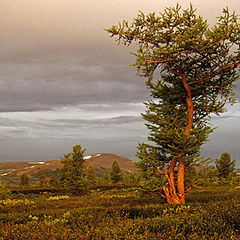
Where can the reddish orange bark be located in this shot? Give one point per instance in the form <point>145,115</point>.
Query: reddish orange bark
<point>177,195</point>
<point>189,105</point>
<point>180,181</point>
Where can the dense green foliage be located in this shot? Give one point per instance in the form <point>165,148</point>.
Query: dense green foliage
<point>210,213</point>
<point>73,173</point>
<point>225,165</point>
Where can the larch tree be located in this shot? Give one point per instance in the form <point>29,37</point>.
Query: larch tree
<point>190,69</point>
<point>42,178</point>
<point>91,176</point>
<point>106,179</point>
<point>225,165</point>
<point>3,190</point>
<point>24,180</point>
<point>116,173</point>
<point>73,172</point>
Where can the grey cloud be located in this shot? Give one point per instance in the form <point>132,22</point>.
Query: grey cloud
<point>42,85</point>
<point>50,139</point>
<point>96,122</point>
<point>69,123</point>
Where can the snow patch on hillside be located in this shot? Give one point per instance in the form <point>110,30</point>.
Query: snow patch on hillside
<point>35,163</point>
<point>87,157</point>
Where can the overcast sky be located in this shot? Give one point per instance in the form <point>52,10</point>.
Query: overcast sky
<point>63,81</point>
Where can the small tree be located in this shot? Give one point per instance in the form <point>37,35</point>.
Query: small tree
<point>3,190</point>
<point>116,173</point>
<point>196,68</point>
<point>42,178</point>
<point>131,178</point>
<point>52,181</point>
<point>91,176</point>
<point>207,175</point>
<point>73,172</point>
<point>225,165</point>
<point>191,175</point>
<point>24,181</point>
<point>106,179</point>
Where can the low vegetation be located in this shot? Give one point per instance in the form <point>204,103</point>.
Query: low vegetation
<point>211,212</point>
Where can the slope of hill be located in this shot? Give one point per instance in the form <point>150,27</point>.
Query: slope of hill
<point>105,160</point>
<point>12,171</point>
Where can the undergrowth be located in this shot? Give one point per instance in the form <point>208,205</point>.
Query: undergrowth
<point>210,213</point>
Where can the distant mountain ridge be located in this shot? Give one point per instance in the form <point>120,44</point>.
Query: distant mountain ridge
<point>12,171</point>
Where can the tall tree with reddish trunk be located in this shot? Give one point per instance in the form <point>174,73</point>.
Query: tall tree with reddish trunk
<point>190,70</point>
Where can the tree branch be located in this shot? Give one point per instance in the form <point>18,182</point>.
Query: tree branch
<point>189,188</point>
<point>173,71</point>
<point>139,38</point>
<point>216,73</point>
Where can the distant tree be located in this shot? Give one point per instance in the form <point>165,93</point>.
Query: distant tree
<point>73,172</point>
<point>225,165</point>
<point>131,178</point>
<point>207,175</point>
<point>3,189</point>
<point>91,176</point>
<point>116,173</point>
<point>106,177</point>
<point>190,69</point>
<point>42,178</point>
<point>24,181</point>
<point>52,181</point>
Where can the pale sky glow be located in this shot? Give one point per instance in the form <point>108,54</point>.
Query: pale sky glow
<point>64,81</point>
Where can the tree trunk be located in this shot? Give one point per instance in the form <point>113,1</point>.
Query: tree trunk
<point>189,103</point>
<point>173,195</point>
<point>180,181</point>
<point>170,197</point>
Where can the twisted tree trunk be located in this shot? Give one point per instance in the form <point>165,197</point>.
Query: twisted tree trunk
<point>173,194</point>
<point>177,195</point>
